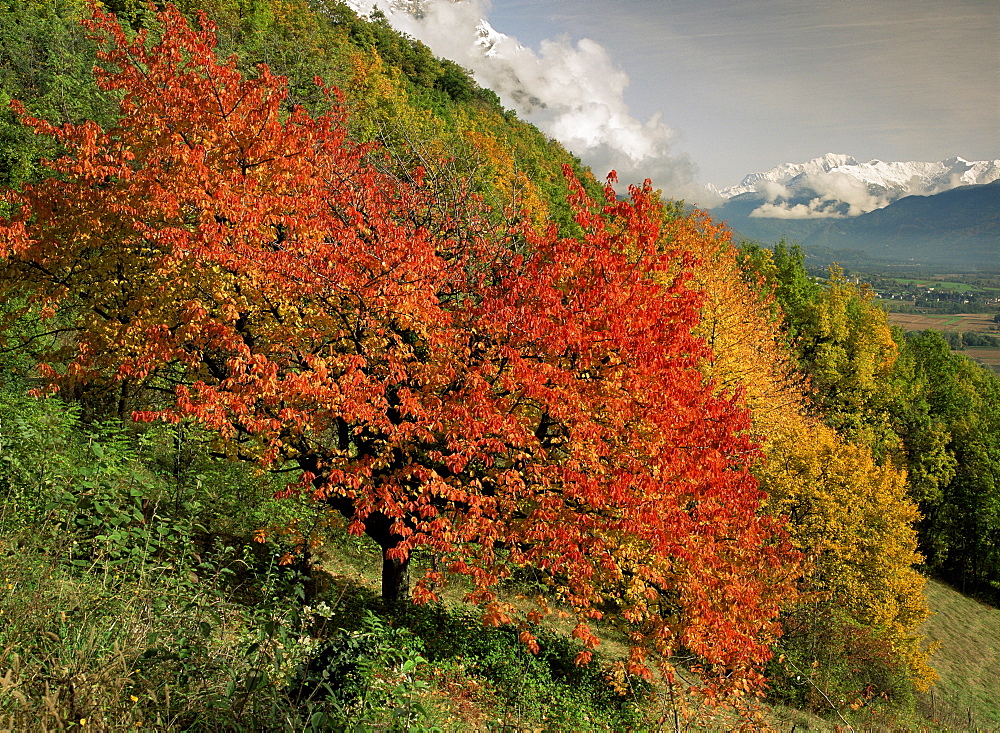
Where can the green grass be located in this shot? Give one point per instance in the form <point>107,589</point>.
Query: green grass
<point>968,661</point>
<point>177,647</point>
<point>131,596</point>
<point>947,319</point>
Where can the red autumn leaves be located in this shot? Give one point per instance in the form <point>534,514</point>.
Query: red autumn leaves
<point>506,400</point>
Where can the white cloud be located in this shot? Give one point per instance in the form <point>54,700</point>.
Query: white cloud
<point>833,196</point>
<point>815,209</point>
<point>572,91</point>
<point>774,191</point>
<point>850,190</point>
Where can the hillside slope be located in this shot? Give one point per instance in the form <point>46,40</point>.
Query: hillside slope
<point>421,109</point>
<point>849,500</point>
<point>967,696</point>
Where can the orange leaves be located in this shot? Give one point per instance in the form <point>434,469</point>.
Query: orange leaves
<point>653,479</point>
<point>583,633</point>
<point>497,614</point>
<point>528,639</point>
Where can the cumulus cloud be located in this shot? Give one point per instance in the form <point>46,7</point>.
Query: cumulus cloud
<point>774,191</point>
<point>815,209</point>
<point>829,195</point>
<point>573,91</point>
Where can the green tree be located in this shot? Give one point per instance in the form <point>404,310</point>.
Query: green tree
<point>960,531</point>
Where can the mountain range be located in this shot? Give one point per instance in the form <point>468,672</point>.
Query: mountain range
<point>941,214</point>
<point>890,179</point>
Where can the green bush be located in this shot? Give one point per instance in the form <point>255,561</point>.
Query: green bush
<point>547,689</point>
<point>830,665</point>
<point>123,601</point>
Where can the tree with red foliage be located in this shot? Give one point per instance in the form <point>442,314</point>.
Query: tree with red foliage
<point>506,402</point>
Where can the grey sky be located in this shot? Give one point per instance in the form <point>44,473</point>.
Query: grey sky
<point>749,84</point>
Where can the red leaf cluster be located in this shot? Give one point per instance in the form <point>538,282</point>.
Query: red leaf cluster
<point>529,400</point>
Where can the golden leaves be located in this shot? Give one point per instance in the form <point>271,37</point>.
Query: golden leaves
<point>849,514</point>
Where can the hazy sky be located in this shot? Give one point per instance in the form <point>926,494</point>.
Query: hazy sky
<point>723,88</point>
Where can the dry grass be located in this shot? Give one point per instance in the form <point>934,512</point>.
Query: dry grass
<point>984,355</point>
<point>356,562</point>
<point>968,694</point>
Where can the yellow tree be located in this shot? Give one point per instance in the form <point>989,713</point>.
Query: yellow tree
<point>854,519</point>
<point>847,513</point>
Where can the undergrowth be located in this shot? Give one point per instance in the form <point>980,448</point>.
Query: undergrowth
<point>134,598</point>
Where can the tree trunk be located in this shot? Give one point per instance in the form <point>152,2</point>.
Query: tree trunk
<point>395,573</point>
<point>395,579</point>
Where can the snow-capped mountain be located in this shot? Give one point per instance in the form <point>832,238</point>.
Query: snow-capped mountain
<point>415,8</point>
<point>944,214</point>
<point>490,40</point>
<point>786,172</point>
<point>924,179</point>
<point>410,7</point>
<point>813,189</point>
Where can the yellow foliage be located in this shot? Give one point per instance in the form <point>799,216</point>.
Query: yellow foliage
<point>854,339</point>
<point>847,513</point>
<point>747,354</point>
<point>854,519</point>
<point>515,190</point>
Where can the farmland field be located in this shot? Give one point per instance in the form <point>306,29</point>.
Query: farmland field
<point>989,357</point>
<point>958,287</point>
<point>963,322</point>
